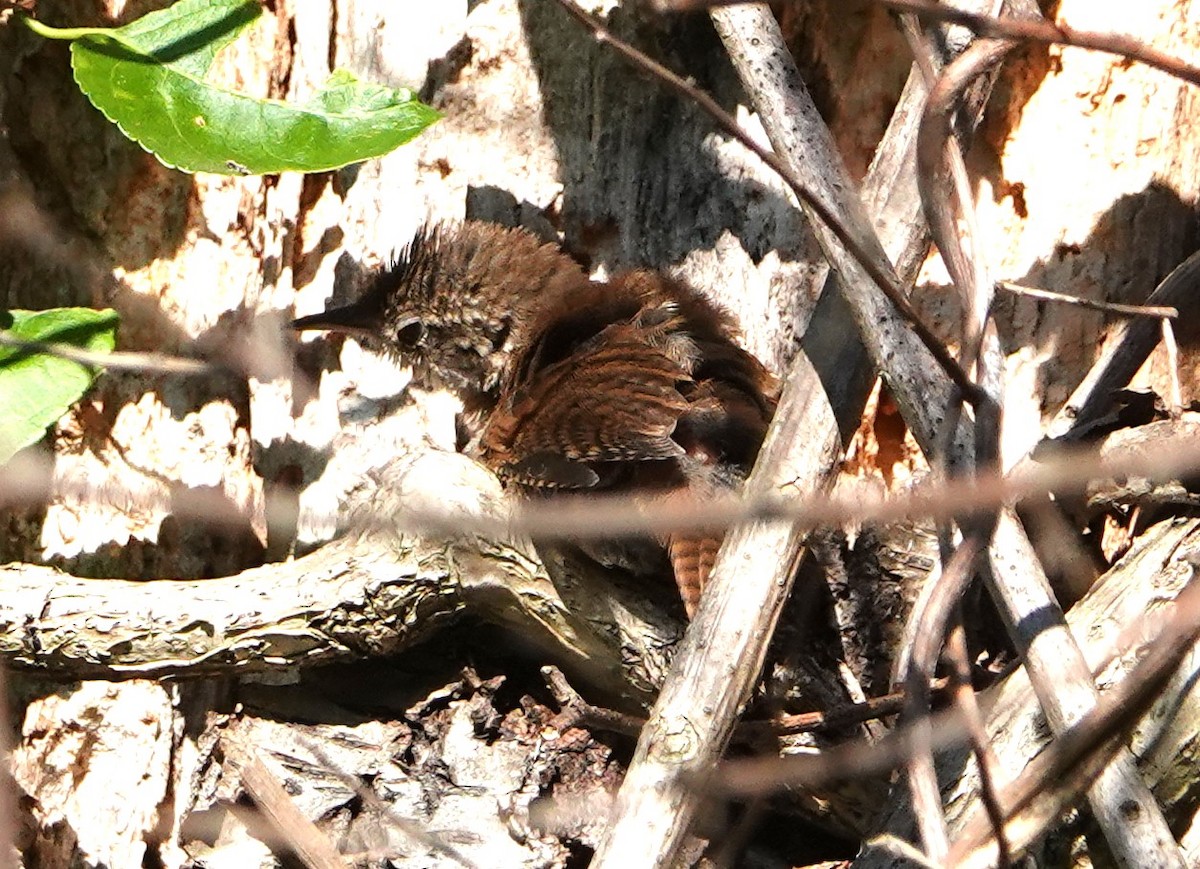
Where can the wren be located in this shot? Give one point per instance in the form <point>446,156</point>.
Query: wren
<point>636,384</point>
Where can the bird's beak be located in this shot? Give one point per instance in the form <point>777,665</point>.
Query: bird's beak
<point>361,318</point>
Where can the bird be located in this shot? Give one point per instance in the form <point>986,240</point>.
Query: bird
<point>570,385</point>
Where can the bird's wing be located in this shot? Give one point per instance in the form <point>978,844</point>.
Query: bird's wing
<point>615,400</point>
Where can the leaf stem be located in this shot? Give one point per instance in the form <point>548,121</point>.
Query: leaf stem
<point>66,33</point>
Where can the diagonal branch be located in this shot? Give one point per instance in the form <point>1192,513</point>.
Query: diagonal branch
<point>1018,582</point>
<point>841,214</point>
<point>722,652</point>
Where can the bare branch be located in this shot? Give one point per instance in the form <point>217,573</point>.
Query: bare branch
<point>1045,31</point>
<point>1094,738</point>
<point>294,831</point>
<point>1156,311</point>
<point>1175,452</point>
<point>835,719</point>
<point>1028,30</point>
<point>408,827</point>
<point>877,269</point>
<point>577,712</point>
<point>118,360</point>
<point>1131,344</point>
<point>932,615</point>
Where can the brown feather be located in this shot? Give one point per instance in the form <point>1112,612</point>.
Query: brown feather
<point>636,384</point>
<point>692,560</point>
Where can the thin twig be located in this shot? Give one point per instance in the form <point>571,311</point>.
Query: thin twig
<point>961,251</point>
<point>598,517</point>
<point>1130,345</point>
<point>1046,31</point>
<point>859,759</point>
<point>1105,724</point>
<point>577,712</point>
<point>1029,30</point>
<point>967,704</point>
<point>952,223</point>
<point>153,363</point>
<point>932,619</point>
<point>408,827</point>
<point>840,717</point>
<point>1168,336</point>
<point>730,126</point>
<point>1157,311</point>
<point>296,832</point>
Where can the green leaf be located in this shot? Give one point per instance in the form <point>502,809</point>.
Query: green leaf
<point>148,78</point>
<point>187,35</point>
<point>37,389</point>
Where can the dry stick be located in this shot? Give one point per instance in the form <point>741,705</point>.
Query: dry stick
<point>575,711</point>
<point>933,619</point>
<point>1155,311</point>
<point>835,719</point>
<point>1172,350</point>
<point>153,363</point>
<point>954,228</point>
<point>1044,31</point>
<point>969,273</point>
<point>1123,805</point>
<point>752,777</point>
<point>967,703</point>
<point>654,808</point>
<point>942,609</point>
<point>833,341</point>
<point>1069,472</point>
<point>1130,345</point>
<point>863,247</point>
<point>294,830</point>
<point>1107,723</point>
<point>1025,29</point>
<point>923,777</point>
<point>410,828</point>
<point>1055,663</point>
<point>963,258</point>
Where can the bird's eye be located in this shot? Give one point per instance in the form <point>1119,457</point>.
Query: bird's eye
<point>410,335</point>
